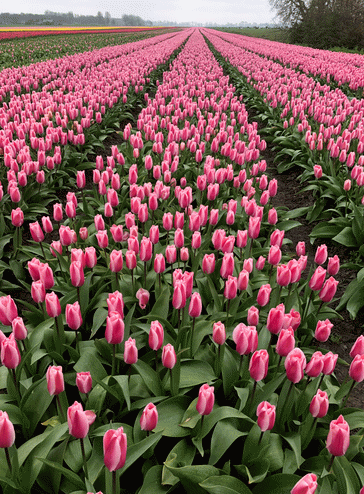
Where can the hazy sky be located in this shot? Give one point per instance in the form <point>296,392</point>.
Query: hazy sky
<point>201,11</point>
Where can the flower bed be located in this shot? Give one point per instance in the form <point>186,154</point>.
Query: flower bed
<point>157,299</point>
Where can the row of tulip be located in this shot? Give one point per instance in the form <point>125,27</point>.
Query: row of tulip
<point>177,253</point>
<point>25,51</point>
<point>316,128</point>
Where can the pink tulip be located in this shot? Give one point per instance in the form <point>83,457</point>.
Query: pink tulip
<point>266,414</point>
<point>156,335</point>
<point>295,364</point>
<point>338,439</point>
<point>7,432</point>
<point>10,355</point>
<point>116,261</point>
<point>219,333</point>
<point>328,291</point>
<point>19,330</point>
<point>73,316</point>
<point>286,342</point>
<point>275,319</point>
<point>264,295</point>
<point>317,279</point>
<point>358,347</point>
<point>115,446</point>
<point>84,382</point>
<point>208,263</point>
<point>114,332</point>
<point>79,421</point>
<point>319,404</point>
<point>169,358</point>
<point>115,303</point>
<point>149,418</point>
<point>8,310</point>
<point>356,370</point>
<point>329,360</point>
<point>258,365</point>
<point>55,381</point>
<point>323,330</point>
<point>130,351</point>
<point>316,364</point>
<point>306,485</point>
<point>206,399</point>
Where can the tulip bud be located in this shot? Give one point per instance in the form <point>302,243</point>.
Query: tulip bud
<point>266,414</point>
<point>79,421</point>
<point>258,365</point>
<point>149,418</point>
<point>130,352</point>
<point>219,333</point>
<point>114,332</point>
<point>84,382</point>
<point>55,381</point>
<point>295,364</point>
<point>323,330</point>
<point>73,316</point>
<point>114,445</point>
<point>7,432</point>
<point>206,399</point>
<point>169,357</point>
<point>338,439</point>
<point>319,404</point>
<point>307,485</point>
<point>358,347</point>
<point>143,296</point>
<point>156,335</point>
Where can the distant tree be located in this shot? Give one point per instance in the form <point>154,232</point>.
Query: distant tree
<point>323,23</point>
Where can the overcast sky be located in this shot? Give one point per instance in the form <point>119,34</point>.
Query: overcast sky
<point>200,11</point>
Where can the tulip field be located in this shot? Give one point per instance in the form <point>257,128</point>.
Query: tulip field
<point>159,331</point>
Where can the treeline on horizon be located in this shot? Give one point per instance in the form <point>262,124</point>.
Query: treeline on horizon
<point>50,18</point>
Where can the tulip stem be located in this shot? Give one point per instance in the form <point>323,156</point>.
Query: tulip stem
<point>260,437</point>
<point>113,360</point>
<point>8,459</point>
<point>13,375</point>
<point>113,476</point>
<point>347,396</point>
<point>60,408</point>
<point>84,457</point>
<point>331,462</point>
